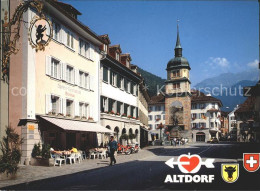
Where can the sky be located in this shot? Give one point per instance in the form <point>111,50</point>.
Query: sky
<point>216,36</point>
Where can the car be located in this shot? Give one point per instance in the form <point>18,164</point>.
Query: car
<point>213,140</point>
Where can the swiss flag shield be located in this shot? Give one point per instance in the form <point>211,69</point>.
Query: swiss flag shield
<point>251,161</point>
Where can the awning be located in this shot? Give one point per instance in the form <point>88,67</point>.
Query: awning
<point>73,125</point>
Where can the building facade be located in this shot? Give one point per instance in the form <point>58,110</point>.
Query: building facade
<point>156,116</point>
<point>119,91</point>
<point>4,118</point>
<point>54,94</point>
<point>205,117</point>
<point>232,125</point>
<point>178,96</point>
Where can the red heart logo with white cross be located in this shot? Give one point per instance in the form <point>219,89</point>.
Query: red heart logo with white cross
<point>189,163</point>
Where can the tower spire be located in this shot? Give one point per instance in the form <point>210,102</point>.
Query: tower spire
<point>178,49</point>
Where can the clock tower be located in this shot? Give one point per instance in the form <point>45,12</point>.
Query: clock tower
<point>178,96</point>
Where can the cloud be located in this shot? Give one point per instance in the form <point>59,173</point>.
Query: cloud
<point>253,64</point>
<point>221,62</point>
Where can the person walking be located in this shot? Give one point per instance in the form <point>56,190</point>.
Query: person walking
<point>113,147</point>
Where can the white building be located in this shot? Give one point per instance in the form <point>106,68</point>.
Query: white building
<point>119,93</point>
<point>156,116</point>
<point>205,117</point>
<point>232,124</point>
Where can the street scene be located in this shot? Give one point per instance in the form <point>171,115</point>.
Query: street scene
<point>129,95</point>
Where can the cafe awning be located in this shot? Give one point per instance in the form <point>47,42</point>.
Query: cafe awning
<point>74,125</point>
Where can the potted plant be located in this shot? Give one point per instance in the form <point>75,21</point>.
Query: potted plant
<point>117,113</point>
<point>132,137</point>
<point>41,157</point>
<point>123,115</point>
<point>129,116</point>
<point>124,138</point>
<point>60,115</point>
<point>83,117</point>
<point>76,117</point>
<point>112,112</point>
<point>10,153</point>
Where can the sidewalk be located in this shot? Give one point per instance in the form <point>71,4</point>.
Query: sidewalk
<point>31,173</point>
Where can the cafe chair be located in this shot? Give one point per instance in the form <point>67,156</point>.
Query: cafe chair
<point>58,160</point>
<point>77,157</point>
<point>71,158</point>
<point>102,154</point>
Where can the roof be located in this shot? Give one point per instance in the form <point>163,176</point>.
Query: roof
<point>68,7</point>
<point>200,97</point>
<point>159,99</point>
<point>105,38</point>
<point>127,55</point>
<point>73,125</point>
<point>117,46</point>
<point>247,106</point>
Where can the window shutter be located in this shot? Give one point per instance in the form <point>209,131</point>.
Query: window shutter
<point>76,108</point>
<point>60,105</point>
<point>92,52</point>
<point>48,107</point>
<point>48,65</point>
<point>64,71</point>
<point>92,83</point>
<point>76,76</point>
<point>64,106</point>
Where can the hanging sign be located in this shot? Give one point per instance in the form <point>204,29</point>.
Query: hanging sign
<point>40,32</point>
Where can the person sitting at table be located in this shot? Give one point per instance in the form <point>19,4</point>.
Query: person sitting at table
<point>74,150</point>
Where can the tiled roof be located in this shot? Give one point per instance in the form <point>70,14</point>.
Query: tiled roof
<point>157,99</point>
<point>247,106</point>
<point>200,97</point>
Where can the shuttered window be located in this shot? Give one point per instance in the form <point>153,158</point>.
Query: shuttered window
<point>105,74</point>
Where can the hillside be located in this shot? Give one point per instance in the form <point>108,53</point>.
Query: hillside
<point>151,81</point>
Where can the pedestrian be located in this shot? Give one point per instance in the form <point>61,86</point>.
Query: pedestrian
<point>113,147</point>
<point>174,140</point>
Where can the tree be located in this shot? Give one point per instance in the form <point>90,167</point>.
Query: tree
<point>11,150</point>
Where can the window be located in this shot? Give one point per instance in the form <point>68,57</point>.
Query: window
<point>69,41</point>
<point>55,68</point>
<point>194,106</point>
<point>158,108</point>
<point>113,78</point>
<point>126,110</point>
<point>202,125</point>
<point>150,117</point>
<point>194,125</point>
<point>150,126</point>
<point>211,115</point>
<point>150,108</point>
<point>55,104</point>
<point>81,79</point>
<point>176,85</point>
<point>86,81</point>
<point>212,124</point>
<point>70,74</point>
<point>132,111</point>
<point>202,106</point>
<point>118,81</point>
<point>117,56</point>
<point>119,108</point>
<point>176,73</point>
<point>126,85</point>
<point>158,117</point>
<point>202,116</point>
<point>105,74</point>
<point>213,106</point>
<point>85,49</point>
<point>104,104</point>
<point>163,117</point>
<point>132,88</point>
<point>56,31</point>
<point>81,109</point>
<point>69,107</point>
<point>193,116</point>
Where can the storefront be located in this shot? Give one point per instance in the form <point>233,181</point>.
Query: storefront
<point>66,133</point>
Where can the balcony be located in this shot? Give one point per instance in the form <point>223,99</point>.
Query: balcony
<point>119,117</point>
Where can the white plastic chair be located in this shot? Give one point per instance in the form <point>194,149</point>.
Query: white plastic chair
<point>92,154</point>
<point>58,160</point>
<point>83,155</point>
<point>77,157</point>
<point>71,158</point>
<point>103,154</point>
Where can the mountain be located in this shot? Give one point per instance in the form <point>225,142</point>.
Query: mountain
<point>152,81</point>
<point>227,86</point>
<point>228,79</point>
